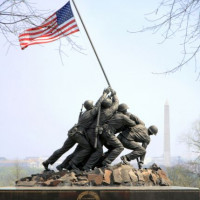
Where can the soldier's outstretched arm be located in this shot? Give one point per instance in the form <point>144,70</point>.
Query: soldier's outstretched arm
<point>115,103</point>
<point>103,96</point>
<point>95,109</point>
<point>145,144</point>
<point>136,119</point>
<point>128,122</point>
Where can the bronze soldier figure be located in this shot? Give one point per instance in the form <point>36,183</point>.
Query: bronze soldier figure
<point>76,133</point>
<point>108,108</point>
<point>120,121</point>
<point>131,137</point>
<point>110,141</point>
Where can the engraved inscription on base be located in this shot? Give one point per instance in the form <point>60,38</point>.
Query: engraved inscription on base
<point>88,195</point>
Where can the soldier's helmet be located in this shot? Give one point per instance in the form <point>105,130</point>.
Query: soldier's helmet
<point>122,107</point>
<point>153,129</point>
<point>88,104</point>
<point>106,103</point>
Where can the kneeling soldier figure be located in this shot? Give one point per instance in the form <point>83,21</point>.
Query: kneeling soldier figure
<point>131,137</point>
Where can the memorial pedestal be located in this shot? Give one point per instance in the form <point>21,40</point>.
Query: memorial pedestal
<point>99,193</point>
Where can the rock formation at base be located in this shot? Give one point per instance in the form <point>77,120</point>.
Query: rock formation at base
<point>116,175</point>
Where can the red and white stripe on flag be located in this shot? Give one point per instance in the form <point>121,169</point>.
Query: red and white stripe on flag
<point>60,24</point>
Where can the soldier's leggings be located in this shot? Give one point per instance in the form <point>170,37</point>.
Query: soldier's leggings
<point>78,157</point>
<point>96,153</point>
<point>138,150</point>
<point>113,144</point>
<point>68,144</point>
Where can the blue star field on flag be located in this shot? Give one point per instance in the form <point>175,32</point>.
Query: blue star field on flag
<point>64,14</point>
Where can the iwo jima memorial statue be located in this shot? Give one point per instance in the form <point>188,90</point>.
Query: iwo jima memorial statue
<point>103,124</point>
<point>98,126</point>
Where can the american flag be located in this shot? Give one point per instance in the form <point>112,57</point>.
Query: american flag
<point>60,24</point>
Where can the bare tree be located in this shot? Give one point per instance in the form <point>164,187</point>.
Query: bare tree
<point>16,16</point>
<point>193,138</point>
<point>194,166</point>
<point>181,175</point>
<point>180,17</point>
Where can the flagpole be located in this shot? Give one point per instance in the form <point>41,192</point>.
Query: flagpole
<point>92,44</point>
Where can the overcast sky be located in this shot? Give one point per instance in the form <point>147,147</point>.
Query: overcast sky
<point>41,97</point>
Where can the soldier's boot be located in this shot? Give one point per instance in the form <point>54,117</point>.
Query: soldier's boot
<point>73,166</point>
<point>78,172</point>
<point>86,170</point>
<point>68,167</point>
<point>46,164</point>
<point>140,164</point>
<point>105,166</point>
<point>125,160</point>
<point>59,167</point>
